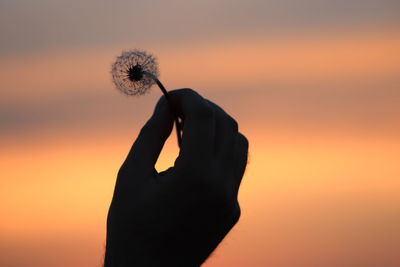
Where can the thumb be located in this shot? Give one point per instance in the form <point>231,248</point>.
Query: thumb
<point>148,145</point>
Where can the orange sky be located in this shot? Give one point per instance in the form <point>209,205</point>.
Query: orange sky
<point>321,200</point>
<point>319,107</point>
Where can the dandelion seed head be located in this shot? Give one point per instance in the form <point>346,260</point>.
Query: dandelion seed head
<point>128,72</point>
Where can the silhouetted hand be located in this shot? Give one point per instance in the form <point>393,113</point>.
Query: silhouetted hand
<point>179,216</point>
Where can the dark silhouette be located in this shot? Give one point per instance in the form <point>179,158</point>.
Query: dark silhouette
<point>179,216</point>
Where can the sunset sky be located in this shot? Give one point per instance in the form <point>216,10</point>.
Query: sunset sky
<point>313,84</point>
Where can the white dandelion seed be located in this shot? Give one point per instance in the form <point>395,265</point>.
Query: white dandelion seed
<point>134,72</point>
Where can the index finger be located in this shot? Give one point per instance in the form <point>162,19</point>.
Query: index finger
<point>198,125</point>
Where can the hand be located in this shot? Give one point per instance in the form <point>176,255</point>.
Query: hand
<point>179,216</point>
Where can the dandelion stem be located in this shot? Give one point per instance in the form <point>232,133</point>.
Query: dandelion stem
<point>165,92</point>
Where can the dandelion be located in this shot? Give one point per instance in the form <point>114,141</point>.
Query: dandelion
<point>134,72</point>
<point>128,72</point>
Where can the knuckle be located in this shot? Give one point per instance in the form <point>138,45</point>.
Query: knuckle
<point>145,129</point>
<point>244,140</point>
<point>122,171</point>
<point>233,123</point>
<point>236,213</point>
<point>231,212</point>
<point>183,91</point>
<point>125,170</point>
<point>188,91</point>
<point>161,101</point>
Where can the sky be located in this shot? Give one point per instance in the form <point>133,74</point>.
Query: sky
<point>314,86</point>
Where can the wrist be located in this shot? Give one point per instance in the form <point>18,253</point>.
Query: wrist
<point>148,256</point>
